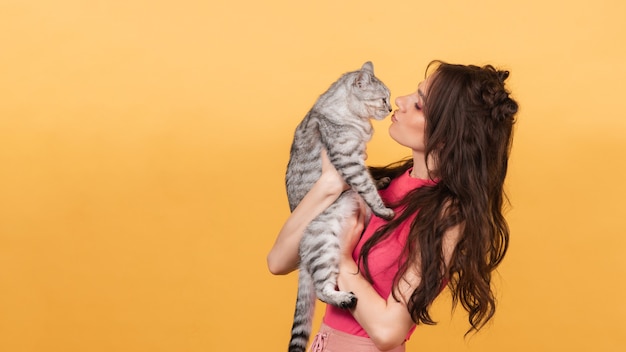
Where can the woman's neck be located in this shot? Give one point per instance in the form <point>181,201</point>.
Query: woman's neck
<point>420,166</point>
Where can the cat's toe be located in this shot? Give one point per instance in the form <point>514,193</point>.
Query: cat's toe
<point>351,303</point>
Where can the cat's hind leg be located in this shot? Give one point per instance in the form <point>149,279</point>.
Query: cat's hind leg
<point>324,272</point>
<point>322,252</point>
<point>341,299</point>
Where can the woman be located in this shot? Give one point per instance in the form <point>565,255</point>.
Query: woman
<point>449,229</point>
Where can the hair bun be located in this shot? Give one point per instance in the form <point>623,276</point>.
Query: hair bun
<point>496,97</point>
<point>503,75</point>
<point>504,110</point>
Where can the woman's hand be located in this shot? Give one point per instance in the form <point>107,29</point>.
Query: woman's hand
<point>330,178</point>
<point>354,229</point>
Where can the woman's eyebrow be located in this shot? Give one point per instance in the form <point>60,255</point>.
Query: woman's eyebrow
<point>420,93</point>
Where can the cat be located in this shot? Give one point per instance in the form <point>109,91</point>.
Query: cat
<point>340,123</point>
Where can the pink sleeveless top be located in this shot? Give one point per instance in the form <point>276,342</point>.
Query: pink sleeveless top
<point>383,258</point>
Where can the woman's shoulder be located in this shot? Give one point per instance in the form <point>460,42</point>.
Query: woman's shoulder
<point>401,185</point>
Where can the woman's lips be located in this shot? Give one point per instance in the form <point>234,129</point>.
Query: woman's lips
<point>393,117</point>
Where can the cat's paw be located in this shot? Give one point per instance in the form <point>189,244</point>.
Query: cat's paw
<point>350,302</point>
<point>384,213</point>
<point>339,299</point>
<point>382,183</point>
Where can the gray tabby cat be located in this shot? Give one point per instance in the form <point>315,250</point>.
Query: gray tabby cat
<point>339,122</point>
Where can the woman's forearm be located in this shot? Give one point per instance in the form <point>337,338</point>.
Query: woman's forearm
<point>284,258</point>
<point>385,320</point>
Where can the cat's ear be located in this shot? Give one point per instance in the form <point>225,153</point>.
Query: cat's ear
<point>368,66</point>
<point>365,75</point>
<point>362,79</point>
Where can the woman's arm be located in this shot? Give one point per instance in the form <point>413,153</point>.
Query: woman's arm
<point>283,258</point>
<point>385,320</point>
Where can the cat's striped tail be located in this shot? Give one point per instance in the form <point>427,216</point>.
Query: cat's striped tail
<point>303,316</point>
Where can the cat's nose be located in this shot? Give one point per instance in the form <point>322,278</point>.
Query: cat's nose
<point>389,108</point>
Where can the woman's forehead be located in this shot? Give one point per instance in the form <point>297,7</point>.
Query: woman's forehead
<point>422,87</point>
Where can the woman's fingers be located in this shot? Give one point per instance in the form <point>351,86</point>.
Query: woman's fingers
<point>354,229</point>
<point>329,171</point>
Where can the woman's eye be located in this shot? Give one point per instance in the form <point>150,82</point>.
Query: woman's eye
<point>417,106</point>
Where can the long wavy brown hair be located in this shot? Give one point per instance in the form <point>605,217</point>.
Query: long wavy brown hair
<point>469,131</point>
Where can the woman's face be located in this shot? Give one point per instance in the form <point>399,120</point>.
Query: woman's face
<point>408,121</point>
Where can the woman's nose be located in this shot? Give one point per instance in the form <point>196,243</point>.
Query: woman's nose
<point>398,102</point>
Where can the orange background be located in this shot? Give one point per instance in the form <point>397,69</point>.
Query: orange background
<point>143,146</point>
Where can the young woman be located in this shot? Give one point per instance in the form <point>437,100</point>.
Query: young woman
<point>449,229</point>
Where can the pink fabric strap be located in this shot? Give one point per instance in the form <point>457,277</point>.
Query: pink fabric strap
<point>332,340</point>
<point>319,342</point>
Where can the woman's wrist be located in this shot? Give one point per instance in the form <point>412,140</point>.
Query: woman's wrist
<point>331,185</point>
<point>347,270</point>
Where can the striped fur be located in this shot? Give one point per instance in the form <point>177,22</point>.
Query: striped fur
<point>340,123</point>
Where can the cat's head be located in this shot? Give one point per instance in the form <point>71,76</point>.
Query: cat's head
<point>372,95</point>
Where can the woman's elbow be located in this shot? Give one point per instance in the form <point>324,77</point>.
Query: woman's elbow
<point>276,267</point>
<point>273,267</point>
<point>274,270</point>
<point>387,339</point>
